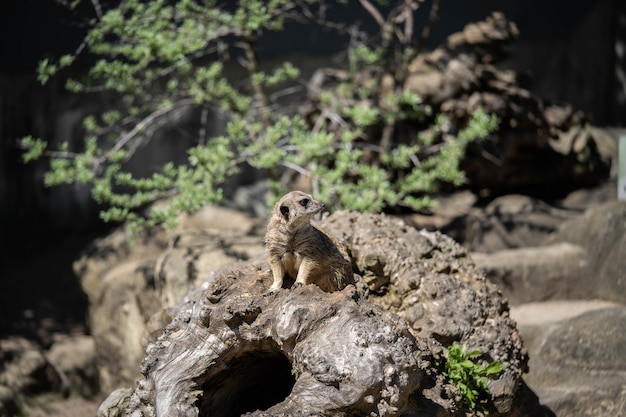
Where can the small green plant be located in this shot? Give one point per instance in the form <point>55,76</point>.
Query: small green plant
<point>467,376</point>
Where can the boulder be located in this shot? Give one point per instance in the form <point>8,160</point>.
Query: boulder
<point>374,349</point>
<point>583,259</point>
<point>577,365</point>
<point>513,221</point>
<point>537,273</point>
<point>131,280</point>
<point>601,232</point>
<point>25,372</point>
<point>540,148</point>
<point>75,358</point>
<point>506,222</point>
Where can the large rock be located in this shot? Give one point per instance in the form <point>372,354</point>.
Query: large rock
<point>230,348</point>
<point>541,148</point>
<point>129,283</point>
<point>577,364</point>
<point>513,221</point>
<point>602,234</point>
<point>75,358</point>
<point>583,259</point>
<point>538,273</point>
<point>25,373</point>
<point>507,222</point>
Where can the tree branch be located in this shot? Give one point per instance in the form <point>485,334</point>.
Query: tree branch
<point>139,127</point>
<point>432,18</point>
<point>252,65</point>
<point>373,11</point>
<point>97,8</point>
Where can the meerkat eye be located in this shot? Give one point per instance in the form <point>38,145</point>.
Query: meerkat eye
<point>304,202</point>
<point>284,210</point>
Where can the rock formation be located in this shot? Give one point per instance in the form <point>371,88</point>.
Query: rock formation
<point>576,355</point>
<point>541,148</point>
<point>583,259</point>
<point>374,348</point>
<point>131,284</point>
<point>544,148</point>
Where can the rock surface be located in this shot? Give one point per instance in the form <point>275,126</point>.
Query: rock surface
<point>225,336</point>
<point>129,285</point>
<point>568,385</point>
<point>575,336</point>
<point>577,365</point>
<point>25,372</point>
<point>601,232</point>
<point>583,259</point>
<point>75,358</point>
<point>541,147</point>
<point>513,221</point>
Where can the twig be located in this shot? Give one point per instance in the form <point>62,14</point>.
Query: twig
<point>60,154</point>
<point>97,8</point>
<point>432,18</point>
<point>203,120</point>
<point>491,157</point>
<point>139,127</point>
<point>285,92</point>
<point>307,16</point>
<point>297,168</point>
<point>373,11</point>
<point>252,65</point>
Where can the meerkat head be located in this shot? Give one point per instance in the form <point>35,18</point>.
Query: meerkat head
<point>296,208</point>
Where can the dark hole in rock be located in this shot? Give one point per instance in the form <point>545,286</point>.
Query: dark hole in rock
<point>254,381</point>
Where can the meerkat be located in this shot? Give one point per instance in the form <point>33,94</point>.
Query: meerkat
<point>306,253</point>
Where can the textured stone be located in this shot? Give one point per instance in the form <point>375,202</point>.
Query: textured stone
<point>376,348</point>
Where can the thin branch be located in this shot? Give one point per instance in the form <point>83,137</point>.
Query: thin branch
<point>285,92</point>
<point>408,19</point>
<point>373,11</point>
<point>297,168</point>
<point>307,16</point>
<point>432,18</point>
<point>60,154</point>
<point>139,127</point>
<point>491,157</point>
<point>97,8</point>
<point>204,115</point>
<point>252,65</point>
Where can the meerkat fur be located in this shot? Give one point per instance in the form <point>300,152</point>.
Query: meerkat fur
<point>306,253</point>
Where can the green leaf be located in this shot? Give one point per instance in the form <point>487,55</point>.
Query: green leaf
<point>493,368</point>
<point>46,70</point>
<point>466,375</point>
<point>34,148</point>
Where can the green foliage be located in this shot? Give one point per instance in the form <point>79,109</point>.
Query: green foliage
<point>34,148</point>
<point>370,144</point>
<point>468,376</point>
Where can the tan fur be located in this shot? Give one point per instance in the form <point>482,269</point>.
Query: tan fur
<point>306,253</point>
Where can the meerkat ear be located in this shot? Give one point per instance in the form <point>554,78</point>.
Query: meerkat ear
<point>284,211</point>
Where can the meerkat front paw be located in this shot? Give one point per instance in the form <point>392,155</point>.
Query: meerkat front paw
<point>272,291</point>
<point>296,285</point>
